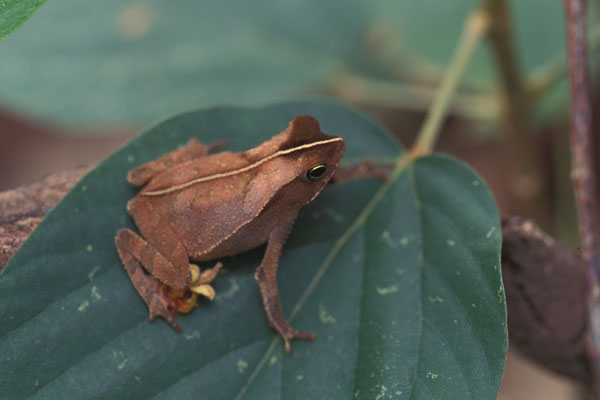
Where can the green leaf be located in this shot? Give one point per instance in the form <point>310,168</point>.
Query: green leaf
<point>135,62</point>
<point>14,13</point>
<point>404,294</point>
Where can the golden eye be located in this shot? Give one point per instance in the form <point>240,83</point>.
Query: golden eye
<point>316,172</point>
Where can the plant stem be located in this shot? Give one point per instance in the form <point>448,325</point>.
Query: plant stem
<point>517,133</point>
<point>474,28</point>
<point>582,168</point>
<point>352,87</point>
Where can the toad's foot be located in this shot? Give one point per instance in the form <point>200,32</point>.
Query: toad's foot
<point>294,334</point>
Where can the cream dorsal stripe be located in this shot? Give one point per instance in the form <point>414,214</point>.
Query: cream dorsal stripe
<point>241,170</point>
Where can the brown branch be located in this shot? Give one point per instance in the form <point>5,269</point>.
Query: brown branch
<point>518,131</point>
<point>582,168</point>
<point>22,209</point>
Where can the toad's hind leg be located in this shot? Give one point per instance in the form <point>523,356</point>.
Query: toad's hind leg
<point>135,252</point>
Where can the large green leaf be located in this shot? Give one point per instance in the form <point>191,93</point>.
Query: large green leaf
<point>14,13</point>
<point>405,294</point>
<point>110,60</point>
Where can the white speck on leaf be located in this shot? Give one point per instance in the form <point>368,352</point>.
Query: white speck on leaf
<point>193,335</point>
<point>436,299</point>
<point>273,360</point>
<point>95,295</point>
<point>324,316</point>
<point>233,289</point>
<point>431,375</point>
<point>299,377</point>
<point>130,158</point>
<point>83,306</point>
<point>89,248</point>
<point>489,234</point>
<point>120,357</point>
<point>241,366</point>
<point>387,239</point>
<point>331,213</point>
<point>384,291</point>
<point>476,183</point>
<point>450,243</point>
<point>328,212</point>
<point>381,394</point>
<point>92,273</point>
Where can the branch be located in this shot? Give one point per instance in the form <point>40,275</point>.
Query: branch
<point>517,133</point>
<point>22,209</point>
<point>582,168</point>
<point>474,28</point>
<point>351,87</point>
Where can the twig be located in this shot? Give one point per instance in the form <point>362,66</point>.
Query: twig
<point>582,169</point>
<point>22,209</point>
<point>412,96</point>
<point>517,137</point>
<point>474,28</point>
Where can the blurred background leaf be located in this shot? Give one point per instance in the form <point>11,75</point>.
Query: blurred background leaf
<point>136,62</point>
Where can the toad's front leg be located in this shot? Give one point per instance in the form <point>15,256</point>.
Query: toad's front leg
<point>266,275</point>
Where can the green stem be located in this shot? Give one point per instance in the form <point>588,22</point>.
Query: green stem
<point>480,106</point>
<point>474,29</point>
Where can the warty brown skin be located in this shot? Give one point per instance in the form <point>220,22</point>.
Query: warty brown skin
<point>198,206</point>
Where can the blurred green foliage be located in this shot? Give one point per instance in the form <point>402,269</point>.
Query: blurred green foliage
<point>115,61</point>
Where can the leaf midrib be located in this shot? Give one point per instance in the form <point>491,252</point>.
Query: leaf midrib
<point>403,161</point>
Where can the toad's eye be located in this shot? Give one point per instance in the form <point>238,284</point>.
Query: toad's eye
<point>316,172</point>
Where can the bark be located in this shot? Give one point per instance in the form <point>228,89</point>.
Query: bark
<point>22,209</point>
